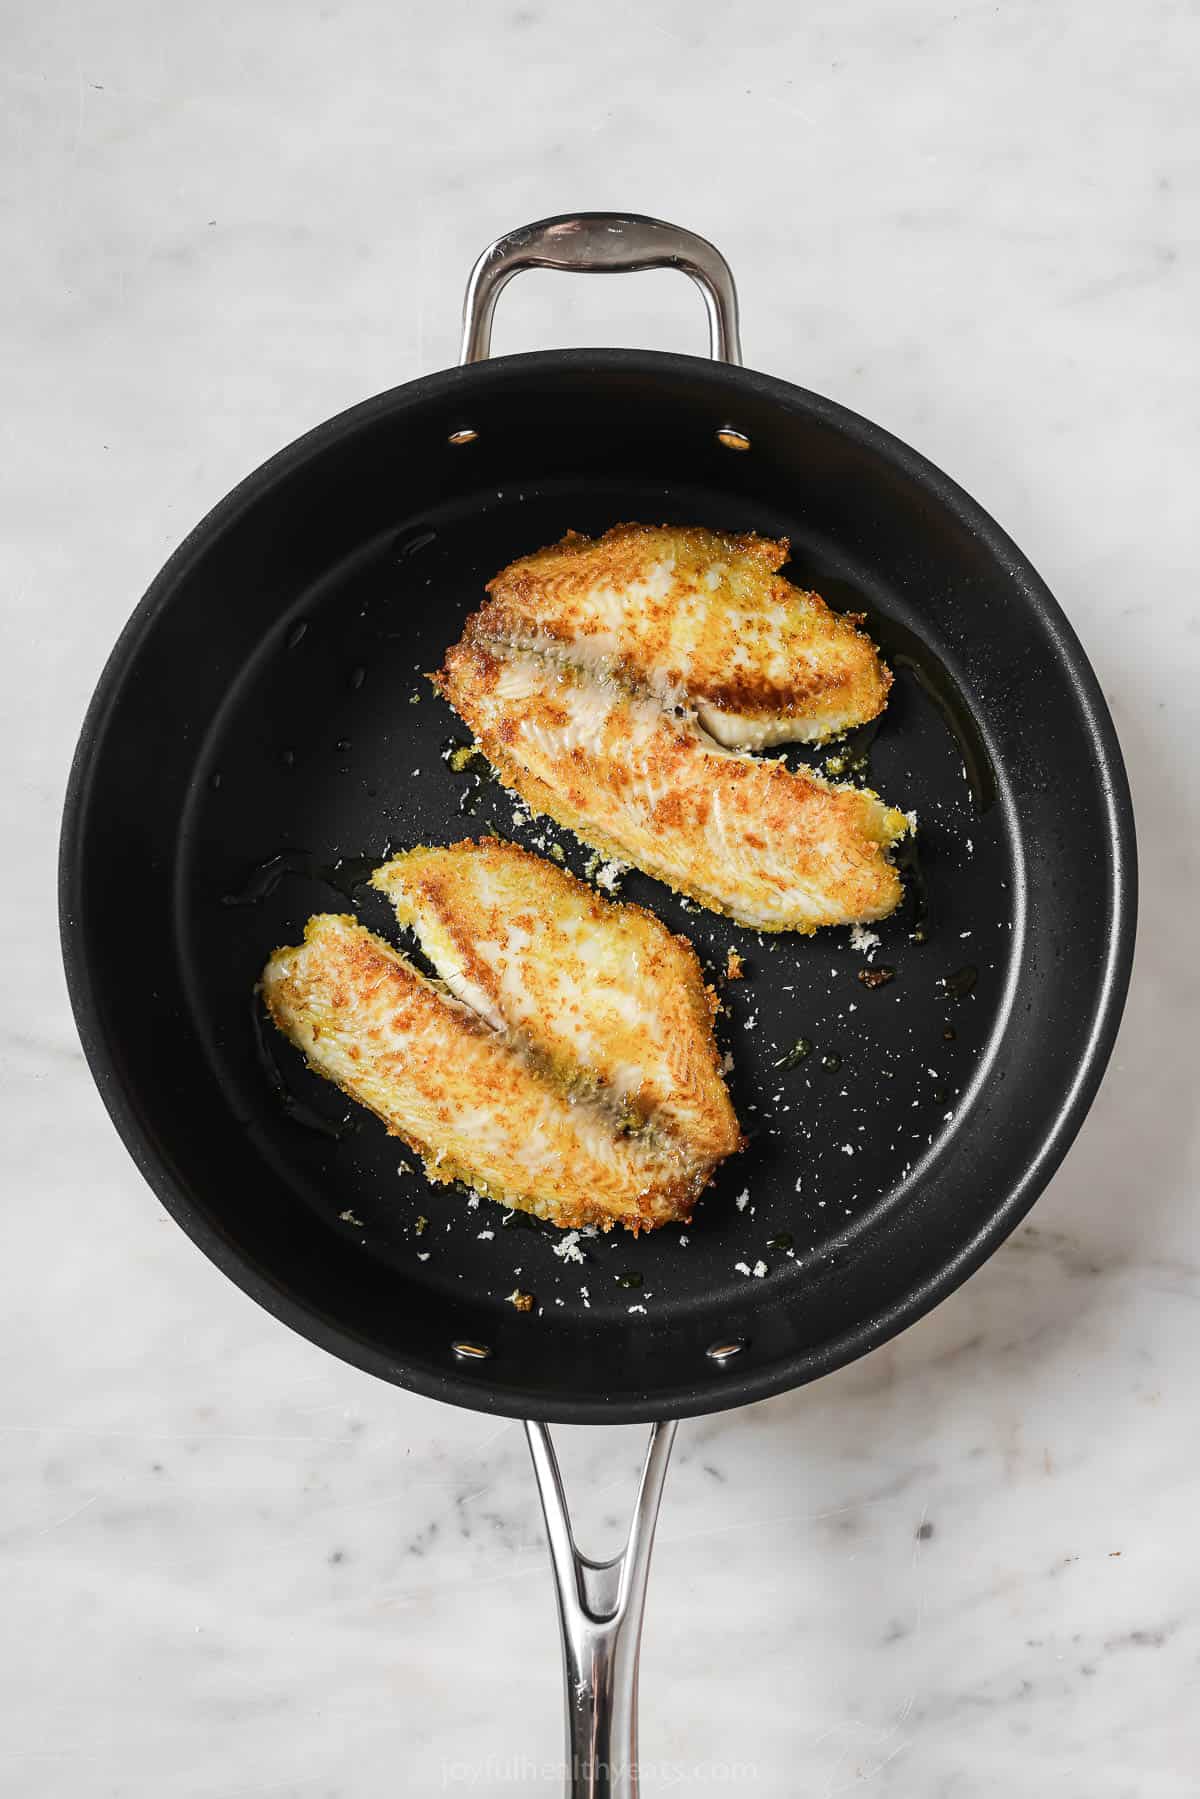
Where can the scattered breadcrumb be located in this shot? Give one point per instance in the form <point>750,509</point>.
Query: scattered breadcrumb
<point>349,1218</point>
<point>484,1236</point>
<point>735,966</point>
<point>522,1301</point>
<point>866,942</point>
<point>742,1200</point>
<point>607,874</point>
<point>421,1223</point>
<point>636,1308</point>
<point>568,1250</point>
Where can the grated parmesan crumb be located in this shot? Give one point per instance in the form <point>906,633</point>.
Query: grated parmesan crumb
<point>606,873</point>
<point>742,1200</point>
<point>568,1250</point>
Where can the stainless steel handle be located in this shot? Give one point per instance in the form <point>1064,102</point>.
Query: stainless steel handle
<point>600,1607</point>
<point>601,243</point>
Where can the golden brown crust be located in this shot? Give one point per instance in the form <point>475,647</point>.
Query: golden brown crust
<point>467,1098</point>
<point>601,989</point>
<point>775,849</point>
<point>693,612</point>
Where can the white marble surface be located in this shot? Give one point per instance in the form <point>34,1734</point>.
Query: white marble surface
<point>230,1565</point>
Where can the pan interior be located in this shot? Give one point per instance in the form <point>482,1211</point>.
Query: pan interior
<point>276,711</point>
<point>334,750</point>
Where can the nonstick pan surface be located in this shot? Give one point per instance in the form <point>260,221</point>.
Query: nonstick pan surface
<point>264,734</point>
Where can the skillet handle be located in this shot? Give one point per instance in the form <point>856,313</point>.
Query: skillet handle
<point>600,1607</point>
<point>601,243</point>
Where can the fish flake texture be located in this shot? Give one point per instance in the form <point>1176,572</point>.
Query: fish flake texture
<point>479,1090</point>
<point>606,681</point>
<point>613,1001</point>
<point>698,617</point>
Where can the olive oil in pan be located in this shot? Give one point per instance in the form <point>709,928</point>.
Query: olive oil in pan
<point>296,1109</point>
<point>848,756</point>
<point>907,857</point>
<point>408,544</point>
<point>904,650</point>
<point>347,875</point>
<point>960,983</point>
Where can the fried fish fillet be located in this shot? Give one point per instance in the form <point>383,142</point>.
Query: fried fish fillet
<point>776,850</point>
<point>604,992</point>
<point>695,617</point>
<point>471,1100</point>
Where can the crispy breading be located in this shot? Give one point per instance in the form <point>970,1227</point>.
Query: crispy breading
<point>477,1104</point>
<point>775,849</point>
<point>604,991</point>
<point>698,617</point>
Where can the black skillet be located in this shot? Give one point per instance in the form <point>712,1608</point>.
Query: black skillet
<point>262,734</point>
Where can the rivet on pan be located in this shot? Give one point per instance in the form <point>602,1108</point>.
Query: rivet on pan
<point>471,1352</point>
<point>465,436</point>
<point>733,440</point>
<point>724,1352</point>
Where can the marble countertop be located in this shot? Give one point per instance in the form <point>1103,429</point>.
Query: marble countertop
<point>965,1566</point>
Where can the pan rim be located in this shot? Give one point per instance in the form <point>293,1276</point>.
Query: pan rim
<point>476,1387</point>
